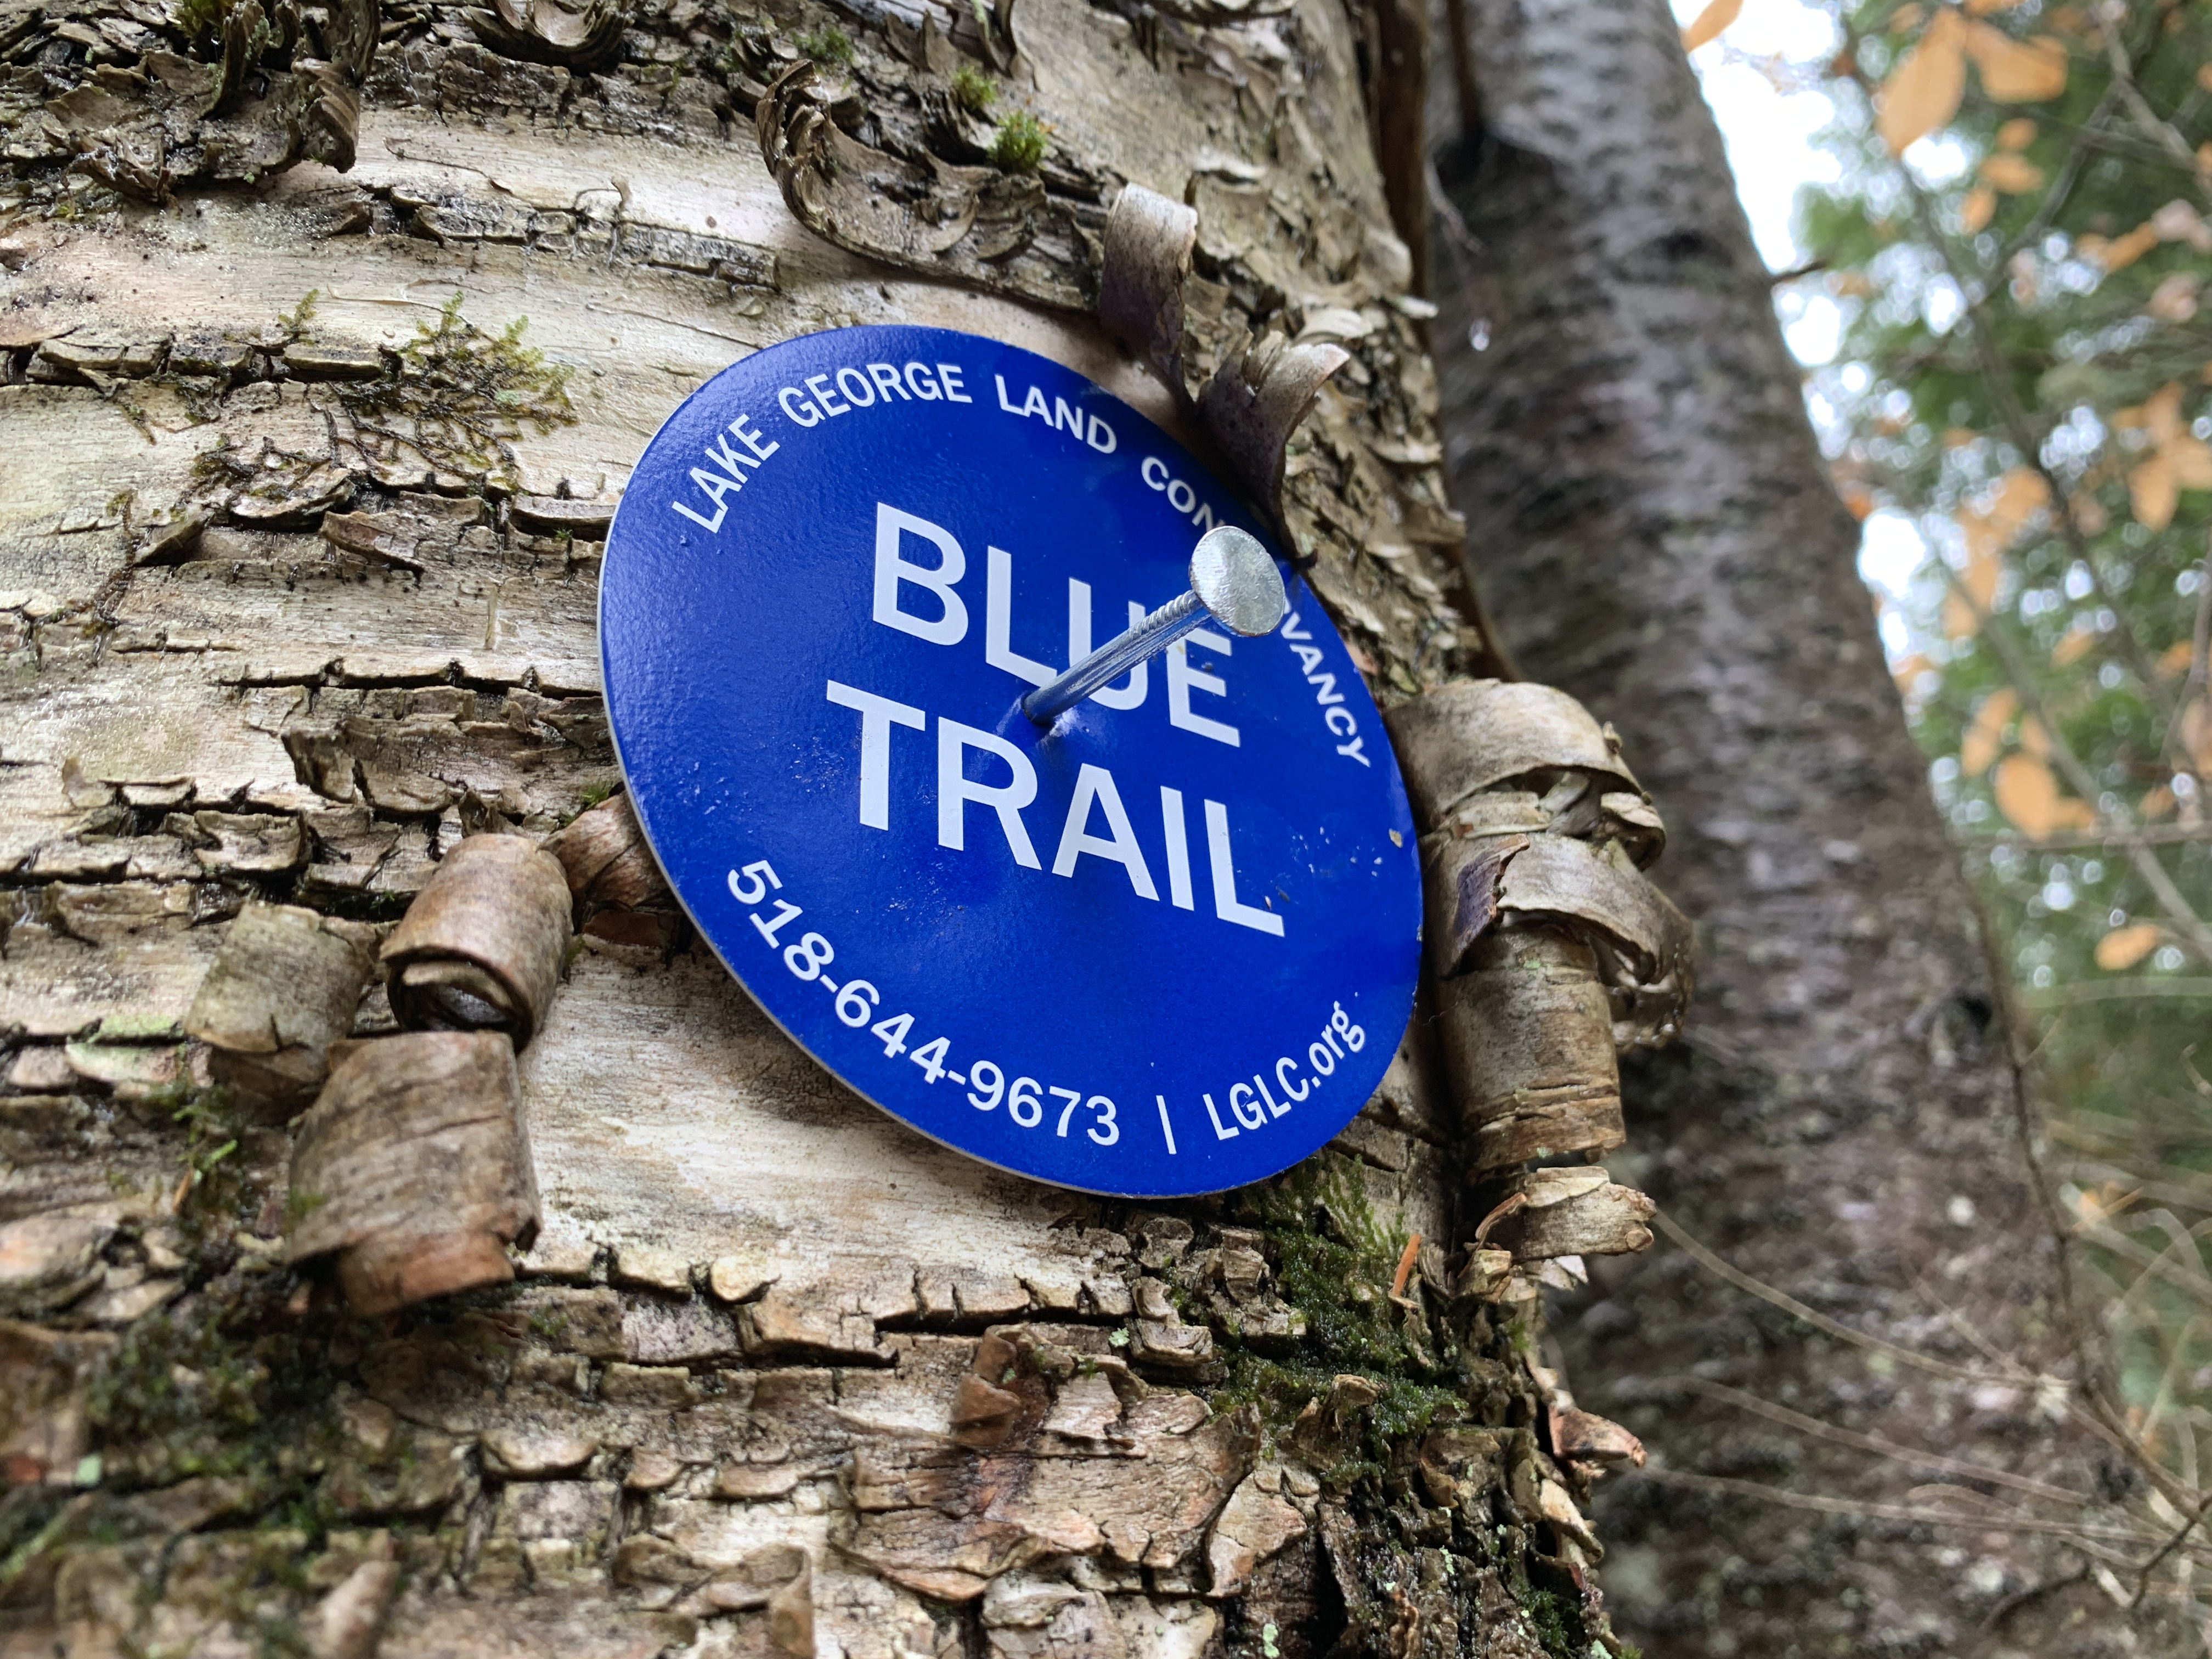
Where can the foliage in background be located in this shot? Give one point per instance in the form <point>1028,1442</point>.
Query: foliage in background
<point>2019,250</point>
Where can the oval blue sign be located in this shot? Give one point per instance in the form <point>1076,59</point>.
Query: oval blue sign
<point>1168,945</point>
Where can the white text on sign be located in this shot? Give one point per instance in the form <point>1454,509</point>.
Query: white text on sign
<point>1252,1106</point>
<point>858,1002</point>
<point>1095,800</point>
<point>940,616</point>
<point>1339,1037</point>
<point>738,450</point>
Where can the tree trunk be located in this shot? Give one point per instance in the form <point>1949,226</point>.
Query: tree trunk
<point>1651,521</point>
<point>301,594</point>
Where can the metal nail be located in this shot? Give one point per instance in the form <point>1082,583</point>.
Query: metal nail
<point>1233,582</point>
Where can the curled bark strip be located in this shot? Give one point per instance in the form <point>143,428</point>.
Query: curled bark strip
<point>245,31</point>
<point>1571,1212</point>
<point>1462,888</point>
<point>283,988</point>
<point>1527,1039</point>
<point>481,946</point>
<point>350,31</point>
<point>414,1167</point>
<point>328,117</point>
<point>1475,734</point>
<point>1149,238</point>
<point>1512,1203</point>
<point>607,860</point>
<point>1397,70</point>
<point>1552,876</point>
<point>549,32</point>
<point>1263,388</point>
<point>1211,12</point>
<point>1588,1438</point>
<point>1256,399</point>
<point>976,224</point>
<point>286,88</point>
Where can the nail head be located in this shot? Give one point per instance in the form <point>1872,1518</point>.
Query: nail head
<point>1237,580</point>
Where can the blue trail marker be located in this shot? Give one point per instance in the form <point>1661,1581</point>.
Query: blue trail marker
<point>1160,939</point>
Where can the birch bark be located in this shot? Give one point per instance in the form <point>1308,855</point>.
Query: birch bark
<point>298,595</point>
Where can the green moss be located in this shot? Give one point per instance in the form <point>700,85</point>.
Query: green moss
<point>1335,1261</point>
<point>974,90</point>
<point>461,394</point>
<point>199,21</point>
<point>827,45</point>
<point>182,1386</point>
<point>299,1205</point>
<point>210,1389</point>
<point>295,321</point>
<point>1018,144</point>
<point>1558,1624</point>
<point>33,1519</point>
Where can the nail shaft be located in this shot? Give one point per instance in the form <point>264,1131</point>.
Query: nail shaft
<point>1170,623</point>
<point>1233,582</point>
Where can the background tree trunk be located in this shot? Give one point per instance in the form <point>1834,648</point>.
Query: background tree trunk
<point>1651,521</point>
<point>298,595</point>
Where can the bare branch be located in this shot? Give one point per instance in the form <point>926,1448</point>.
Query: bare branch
<point>1788,1303</point>
<point>1880,1448</point>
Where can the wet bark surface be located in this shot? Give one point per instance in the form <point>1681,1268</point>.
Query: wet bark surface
<point>1650,521</point>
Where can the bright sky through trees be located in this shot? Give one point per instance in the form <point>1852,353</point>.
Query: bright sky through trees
<point>1765,80</point>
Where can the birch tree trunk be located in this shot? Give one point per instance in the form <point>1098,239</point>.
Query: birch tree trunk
<point>1652,521</point>
<point>301,592</point>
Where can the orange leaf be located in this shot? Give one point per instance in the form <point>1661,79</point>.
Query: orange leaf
<point>2153,493</point>
<point>1857,499</point>
<point>1906,18</point>
<point>2016,71</point>
<point>2022,494</point>
<point>1984,548</point>
<point>2123,947</point>
<point>2027,794</point>
<point>2191,461</point>
<point>2175,300</point>
<point>2195,730</point>
<point>1978,749</point>
<point>1975,210</point>
<point>2157,802</point>
<point>1960,620</point>
<point>2122,251</point>
<point>1908,672</point>
<point>2177,657</point>
<point>2015,175</point>
<point>1709,23</point>
<point>2033,739</point>
<point>2072,644</point>
<point>1922,92</point>
<point>1983,8</point>
<point>2161,414</point>
<point>2016,134</point>
<point>2178,221</point>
